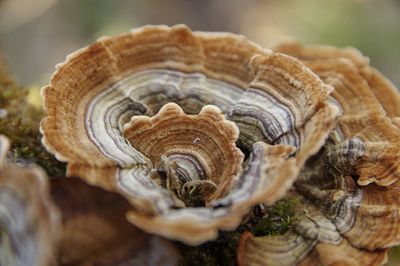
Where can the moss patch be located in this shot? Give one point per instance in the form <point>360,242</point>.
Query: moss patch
<point>276,220</point>
<point>19,121</point>
<point>219,252</point>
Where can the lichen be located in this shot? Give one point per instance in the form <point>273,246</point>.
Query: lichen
<point>19,121</point>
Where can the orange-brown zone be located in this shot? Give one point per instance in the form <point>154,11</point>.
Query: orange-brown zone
<point>343,255</point>
<point>72,85</point>
<point>369,103</point>
<point>383,89</point>
<point>377,223</point>
<point>190,51</point>
<point>205,136</point>
<point>293,84</point>
<point>370,107</point>
<point>385,92</point>
<point>363,117</point>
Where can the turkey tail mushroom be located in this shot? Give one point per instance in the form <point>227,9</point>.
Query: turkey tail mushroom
<point>198,130</point>
<point>353,179</point>
<point>100,88</point>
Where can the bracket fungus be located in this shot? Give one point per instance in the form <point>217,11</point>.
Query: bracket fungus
<point>202,132</point>
<point>352,183</point>
<point>64,221</point>
<point>278,105</point>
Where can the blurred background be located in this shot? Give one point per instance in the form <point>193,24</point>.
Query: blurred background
<point>35,35</point>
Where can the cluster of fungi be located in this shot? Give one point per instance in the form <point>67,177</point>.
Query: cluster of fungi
<point>173,136</point>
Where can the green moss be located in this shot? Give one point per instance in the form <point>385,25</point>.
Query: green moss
<point>19,121</point>
<point>278,218</point>
<point>275,221</point>
<point>194,198</point>
<point>219,252</point>
<point>394,255</point>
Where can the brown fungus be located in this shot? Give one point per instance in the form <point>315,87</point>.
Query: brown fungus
<point>368,103</point>
<point>279,106</point>
<point>352,183</point>
<point>189,152</point>
<point>70,223</point>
